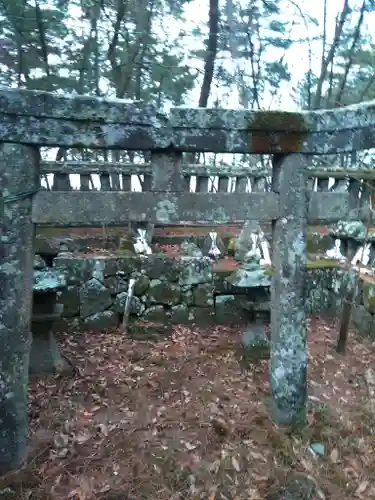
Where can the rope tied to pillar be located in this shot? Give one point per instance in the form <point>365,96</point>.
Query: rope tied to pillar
<point>10,198</point>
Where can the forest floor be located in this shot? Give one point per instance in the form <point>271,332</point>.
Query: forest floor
<point>177,419</point>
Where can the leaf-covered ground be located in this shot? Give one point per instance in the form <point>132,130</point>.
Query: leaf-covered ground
<point>178,419</point>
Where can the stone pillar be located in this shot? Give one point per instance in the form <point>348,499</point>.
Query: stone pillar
<point>19,179</point>
<point>288,364</point>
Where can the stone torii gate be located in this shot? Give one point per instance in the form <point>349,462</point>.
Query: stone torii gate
<point>31,120</point>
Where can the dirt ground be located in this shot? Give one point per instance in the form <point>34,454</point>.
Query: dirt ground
<point>177,419</point>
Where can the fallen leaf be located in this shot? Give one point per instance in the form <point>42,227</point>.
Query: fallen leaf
<point>190,446</point>
<point>334,455</point>
<point>236,464</point>
<point>221,426</point>
<point>61,440</point>
<point>362,487</point>
<point>83,437</point>
<point>103,429</point>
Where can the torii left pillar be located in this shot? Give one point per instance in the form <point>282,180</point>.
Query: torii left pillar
<point>19,180</point>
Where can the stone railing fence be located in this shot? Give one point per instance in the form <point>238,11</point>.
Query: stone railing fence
<point>33,120</point>
<point>117,176</point>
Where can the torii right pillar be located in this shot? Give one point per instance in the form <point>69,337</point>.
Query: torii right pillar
<point>288,363</point>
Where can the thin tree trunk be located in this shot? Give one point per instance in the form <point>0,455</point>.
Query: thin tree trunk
<point>326,60</point>
<point>209,64</point>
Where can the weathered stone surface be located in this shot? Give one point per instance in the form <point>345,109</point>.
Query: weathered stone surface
<point>66,246</point>
<point>141,285</point>
<point>124,266</point>
<point>136,306</point>
<point>191,249</point>
<point>256,299</point>
<point>368,290</point>
<point>179,314</point>
<point>166,169</point>
<point>244,243</point>
<point>318,243</point>
<point>323,287</point>
<point>363,321</point>
<point>195,271</point>
<point>228,309</point>
<point>45,356</point>
<point>93,208</point>
<point>36,103</point>
<point>116,284</point>
<point>161,266</point>
<point>316,132</point>
<point>46,246</point>
<point>80,121</point>
<point>155,313</point>
<point>77,271</point>
<point>187,295</point>
<point>327,207</point>
<point>288,364</point>
<point>70,300</point>
<point>101,320</point>
<point>203,295</point>
<point>202,315</point>
<point>255,343</point>
<point>94,298</point>
<point>244,278</point>
<point>345,229</point>
<point>83,121</point>
<point>44,303</point>
<point>162,292</point>
<point>99,268</point>
<point>126,245</point>
<point>48,279</point>
<point>220,283</point>
<point>19,178</point>
<point>65,324</point>
<point>39,262</point>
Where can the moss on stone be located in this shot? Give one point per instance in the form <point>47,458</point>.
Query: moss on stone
<point>317,264</point>
<point>203,295</point>
<point>369,295</point>
<point>318,243</point>
<point>267,270</point>
<point>282,130</point>
<point>223,273</point>
<point>322,264</point>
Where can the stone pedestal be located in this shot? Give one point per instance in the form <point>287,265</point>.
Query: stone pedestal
<point>45,356</point>
<point>255,342</point>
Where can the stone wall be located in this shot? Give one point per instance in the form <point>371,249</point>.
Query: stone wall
<point>363,312</point>
<point>166,289</point>
<point>169,289</point>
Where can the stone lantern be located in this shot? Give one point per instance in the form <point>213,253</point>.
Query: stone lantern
<point>252,278</point>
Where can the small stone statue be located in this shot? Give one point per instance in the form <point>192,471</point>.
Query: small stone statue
<point>255,343</point>
<point>349,229</point>
<point>65,248</point>
<point>250,274</point>
<point>213,246</point>
<point>247,240</point>
<point>191,249</point>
